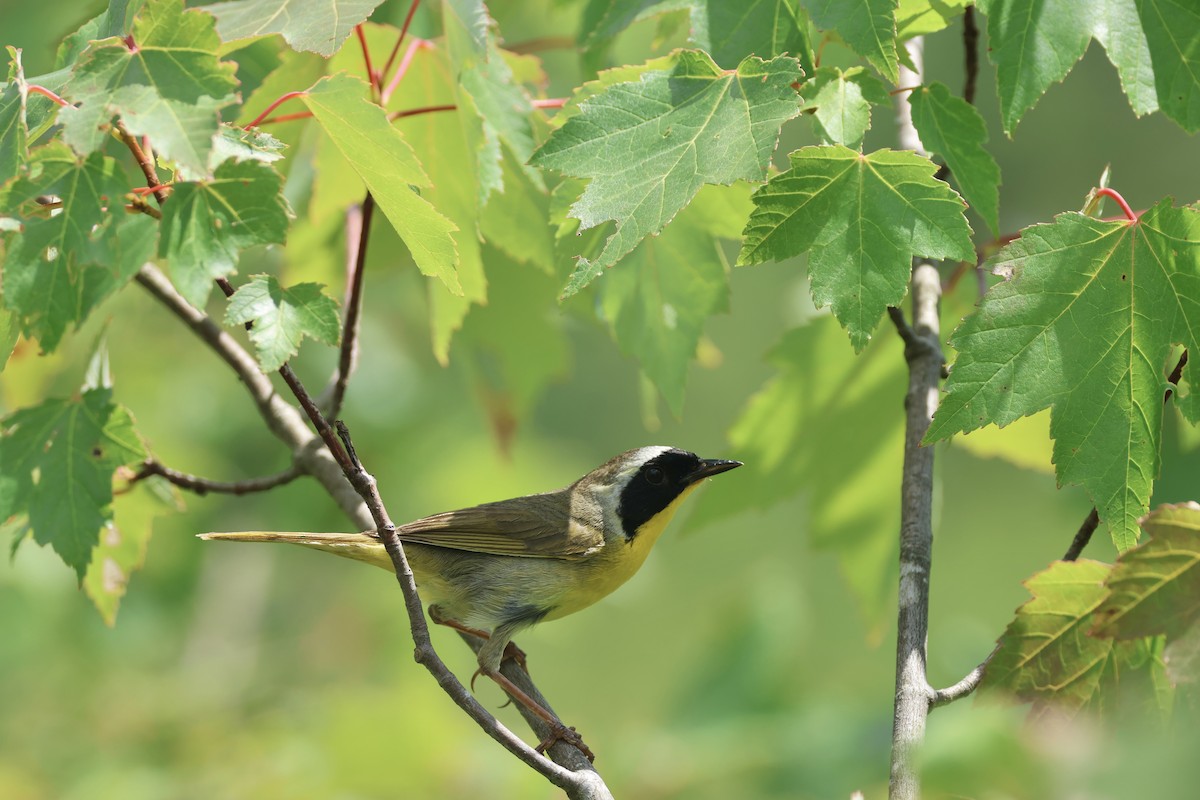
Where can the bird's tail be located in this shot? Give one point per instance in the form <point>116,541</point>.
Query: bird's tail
<point>364,547</point>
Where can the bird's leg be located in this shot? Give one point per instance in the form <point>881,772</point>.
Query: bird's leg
<point>511,651</point>
<point>558,731</point>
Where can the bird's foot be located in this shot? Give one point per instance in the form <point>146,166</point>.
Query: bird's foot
<point>567,735</point>
<point>514,653</point>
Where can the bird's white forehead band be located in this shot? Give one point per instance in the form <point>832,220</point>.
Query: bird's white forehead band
<point>647,454</point>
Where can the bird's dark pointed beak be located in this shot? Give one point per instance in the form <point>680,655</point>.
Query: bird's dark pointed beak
<point>712,466</point>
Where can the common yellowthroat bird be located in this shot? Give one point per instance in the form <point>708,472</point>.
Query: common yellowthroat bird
<point>494,569</point>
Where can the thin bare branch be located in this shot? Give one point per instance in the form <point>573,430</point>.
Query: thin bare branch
<point>355,491</point>
<point>203,486</point>
<point>964,687</point>
<point>1083,535</point>
<point>348,356</point>
<point>970,54</point>
<point>281,418</point>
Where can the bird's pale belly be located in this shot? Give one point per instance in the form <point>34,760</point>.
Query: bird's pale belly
<point>485,591</point>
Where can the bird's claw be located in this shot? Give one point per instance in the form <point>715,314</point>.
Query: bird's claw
<point>567,735</point>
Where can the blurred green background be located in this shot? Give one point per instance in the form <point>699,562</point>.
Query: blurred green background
<point>736,664</point>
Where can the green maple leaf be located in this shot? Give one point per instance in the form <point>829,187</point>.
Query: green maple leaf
<point>207,223</point>
<point>59,458</point>
<point>10,331</point>
<point>670,285</point>
<point>14,118</point>
<point>792,437</point>
<point>240,144</point>
<point>921,17</point>
<point>121,550</point>
<point>1033,45</point>
<point>862,218</point>
<point>283,317</point>
<point>316,27</point>
<point>446,144</point>
<point>1153,45</point>
<point>59,266</point>
<point>387,165</point>
<point>951,127</point>
<point>841,103</point>
<point>726,31</point>
<point>602,20</point>
<point>867,26</point>
<point>1117,25</point>
<point>649,146</point>
<point>24,117</point>
<point>1155,587</point>
<point>766,28</point>
<point>1045,653</point>
<point>494,108</point>
<point>1172,31</point>
<point>169,85</point>
<point>1084,324</point>
<point>517,221</point>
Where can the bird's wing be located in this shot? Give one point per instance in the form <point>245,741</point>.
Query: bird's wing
<point>536,526</point>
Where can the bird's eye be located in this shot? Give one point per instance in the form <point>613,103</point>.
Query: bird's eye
<point>656,476</point>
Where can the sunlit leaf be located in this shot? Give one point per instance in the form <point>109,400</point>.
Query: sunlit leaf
<point>283,317</point>
<point>861,218</point>
<point>765,28</point>
<point>60,265</point>
<point>1084,324</point>
<point>649,146</point>
<point>59,458</point>
<point>922,17</point>
<point>1172,31</point>
<point>867,26</point>
<point>841,103</point>
<point>1118,27</point>
<point>1154,46</point>
<point>169,84</point>
<point>951,127</point>
<point>1155,587</point>
<point>316,27</point>
<point>386,163</point>
<point>1045,653</point>
<point>207,223</point>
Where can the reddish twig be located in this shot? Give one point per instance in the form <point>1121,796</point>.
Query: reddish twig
<point>412,112</point>
<point>904,89</point>
<point>372,77</point>
<point>1116,196</point>
<point>286,118</point>
<point>33,88</point>
<point>278,102</point>
<point>412,10</point>
<point>553,102</point>
<point>402,68</point>
<point>160,192</point>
